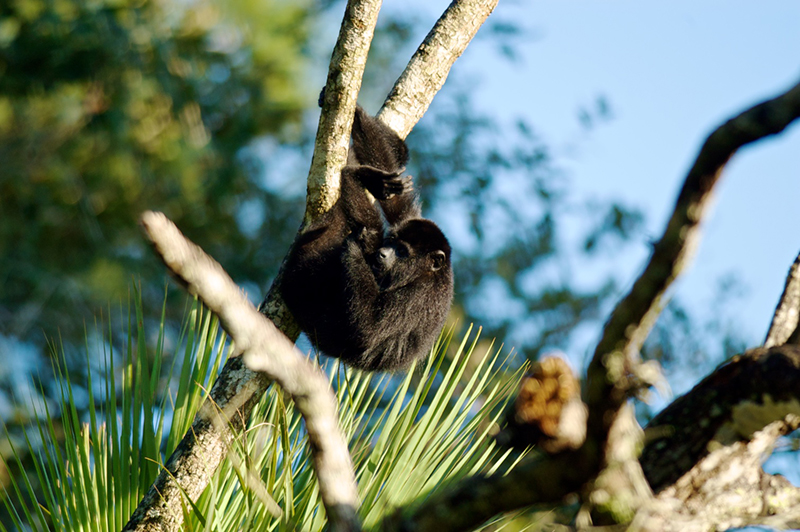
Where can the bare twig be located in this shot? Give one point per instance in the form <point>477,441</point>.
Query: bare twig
<point>787,313</point>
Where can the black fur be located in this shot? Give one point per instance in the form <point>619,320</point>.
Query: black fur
<point>374,294</point>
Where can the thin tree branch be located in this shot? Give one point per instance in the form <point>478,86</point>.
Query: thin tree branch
<point>265,349</point>
<point>430,65</point>
<point>787,313</point>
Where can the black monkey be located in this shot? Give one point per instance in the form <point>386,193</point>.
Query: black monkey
<point>369,289</point>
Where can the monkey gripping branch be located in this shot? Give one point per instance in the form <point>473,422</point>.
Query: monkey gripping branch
<point>188,470</point>
<point>615,373</point>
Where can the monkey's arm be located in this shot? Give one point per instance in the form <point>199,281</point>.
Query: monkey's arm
<point>376,145</point>
<point>395,193</point>
<point>358,211</point>
<point>402,207</point>
<point>378,158</point>
<point>362,290</point>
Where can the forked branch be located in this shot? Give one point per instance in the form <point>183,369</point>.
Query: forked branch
<point>616,356</point>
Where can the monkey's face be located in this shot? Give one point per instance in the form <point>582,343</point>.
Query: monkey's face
<point>414,253</point>
<point>392,264</point>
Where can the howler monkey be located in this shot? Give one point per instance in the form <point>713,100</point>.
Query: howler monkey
<point>371,283</point>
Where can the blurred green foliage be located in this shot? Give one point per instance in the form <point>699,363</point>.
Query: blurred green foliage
<point>111,107</point>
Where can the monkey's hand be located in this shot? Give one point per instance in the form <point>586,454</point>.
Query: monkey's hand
<point>383,185</point>
<point>369,240</point>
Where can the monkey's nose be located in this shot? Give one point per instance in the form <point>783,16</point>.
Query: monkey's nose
<point>386,256</point>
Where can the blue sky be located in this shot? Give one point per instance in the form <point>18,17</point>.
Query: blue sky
<point>672,72</point>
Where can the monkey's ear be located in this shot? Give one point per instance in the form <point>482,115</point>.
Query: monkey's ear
<point>438,260</point>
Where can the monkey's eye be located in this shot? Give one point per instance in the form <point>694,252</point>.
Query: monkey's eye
<point>402,249</point>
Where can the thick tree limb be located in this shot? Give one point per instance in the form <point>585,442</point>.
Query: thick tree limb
<point>265,349</point>
<point>787,313</point>
<point>728,489</point>
<point>737,399</point>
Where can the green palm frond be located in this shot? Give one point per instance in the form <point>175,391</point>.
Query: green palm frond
<point>409,435</point>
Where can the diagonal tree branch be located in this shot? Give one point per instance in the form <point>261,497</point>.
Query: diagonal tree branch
<point>612,373</point>
<point>269,351</point>
<point>468,504</point>
<point>345,72</point>
<point>429,66</point>
<point>265,349</point>
<point>616,355</point>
